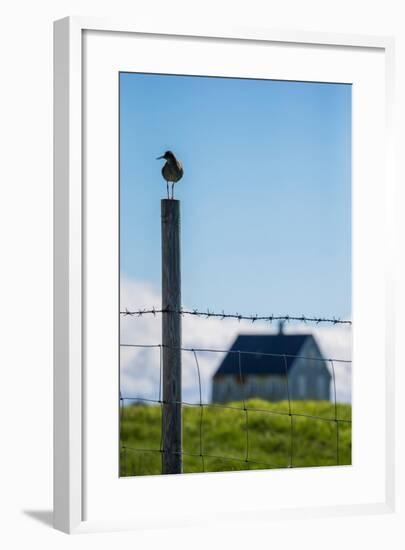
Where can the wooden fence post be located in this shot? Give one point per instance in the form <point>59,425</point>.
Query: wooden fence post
<point>171,337</point>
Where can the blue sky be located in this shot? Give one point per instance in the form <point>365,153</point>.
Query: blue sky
<point>265,197</point>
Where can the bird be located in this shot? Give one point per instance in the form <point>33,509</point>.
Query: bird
<point>172,170</point>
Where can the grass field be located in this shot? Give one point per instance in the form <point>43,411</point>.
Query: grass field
<point>224,437</point>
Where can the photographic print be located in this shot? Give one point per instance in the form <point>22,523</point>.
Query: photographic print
<point>235,274</point>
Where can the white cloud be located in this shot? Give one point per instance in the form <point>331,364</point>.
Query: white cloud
<point>140,367</point>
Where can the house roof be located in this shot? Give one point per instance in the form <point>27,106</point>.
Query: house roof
<point>251,363</point>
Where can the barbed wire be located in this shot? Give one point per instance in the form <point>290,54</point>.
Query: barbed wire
<point>239,317</point>
<point>245,408</point>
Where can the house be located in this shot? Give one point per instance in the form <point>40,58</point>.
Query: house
<point>265,362</point>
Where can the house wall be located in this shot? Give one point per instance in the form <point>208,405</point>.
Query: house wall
<point>230,388</point>
<point>309,378</point>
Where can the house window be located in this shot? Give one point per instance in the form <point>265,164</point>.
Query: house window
<point>320,385</point>
<point>253,387</point>
<point>302,386</point>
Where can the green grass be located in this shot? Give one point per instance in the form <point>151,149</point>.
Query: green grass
<point>314,441</point>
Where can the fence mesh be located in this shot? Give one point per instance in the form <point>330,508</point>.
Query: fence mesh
<point>335,416</point>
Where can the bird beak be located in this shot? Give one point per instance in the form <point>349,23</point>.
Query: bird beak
<point>162,157</point>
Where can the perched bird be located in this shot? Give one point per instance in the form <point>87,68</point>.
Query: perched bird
<point>172,170</point>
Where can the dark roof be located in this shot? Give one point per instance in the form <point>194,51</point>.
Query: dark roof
<point>251,363</point>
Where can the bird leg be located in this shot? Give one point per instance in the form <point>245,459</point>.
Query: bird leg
<point>167,187</point>
<point>172,189</point>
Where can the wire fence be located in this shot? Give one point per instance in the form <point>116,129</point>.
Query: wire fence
<point>248,460</point>
<point>239,317</point>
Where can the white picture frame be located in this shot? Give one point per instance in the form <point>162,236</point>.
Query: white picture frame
<point>73,246</point>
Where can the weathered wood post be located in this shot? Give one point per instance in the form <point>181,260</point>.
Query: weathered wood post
<point>171,337</point>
